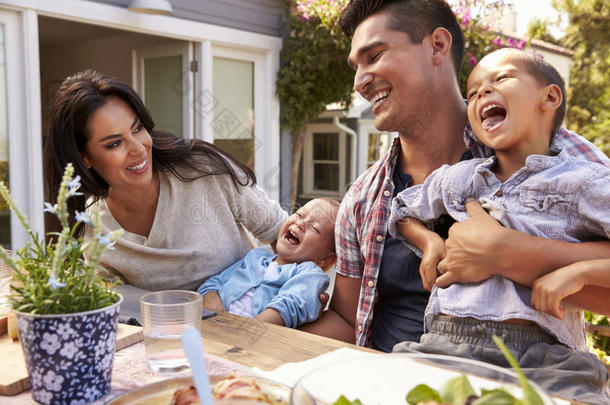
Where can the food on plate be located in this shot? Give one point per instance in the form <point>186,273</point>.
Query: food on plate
<point>231,388</point>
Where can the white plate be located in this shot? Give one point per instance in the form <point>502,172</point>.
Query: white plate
<point>386,379</point>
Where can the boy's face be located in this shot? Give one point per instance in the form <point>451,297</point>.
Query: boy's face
<point>308,233</point>
<point>504,104</point>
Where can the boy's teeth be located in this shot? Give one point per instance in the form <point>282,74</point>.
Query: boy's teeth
<point>138,167</point>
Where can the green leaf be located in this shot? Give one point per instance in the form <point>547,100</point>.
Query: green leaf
<point>344,401</point>
<point>496,397</point>
<point>457,390</point>
<point>530,397</point>
<point>422,393</point>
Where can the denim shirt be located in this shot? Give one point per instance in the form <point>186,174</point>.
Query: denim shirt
<point>556,197</point>
<point>294,294</point>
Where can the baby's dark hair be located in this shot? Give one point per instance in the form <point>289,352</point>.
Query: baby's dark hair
<point>545,74</point>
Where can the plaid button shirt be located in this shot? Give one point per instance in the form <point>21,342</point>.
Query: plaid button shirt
<point>362,223</point>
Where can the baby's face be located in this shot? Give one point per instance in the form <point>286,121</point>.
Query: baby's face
<point>308,233</point>
<point>504,102</point>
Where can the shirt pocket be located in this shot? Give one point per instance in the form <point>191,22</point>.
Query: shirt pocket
<point>548,210</point>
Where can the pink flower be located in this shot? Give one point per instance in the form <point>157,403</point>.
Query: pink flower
<point>472,60</point>
<point>305,17</point>
<point>498,42</point>
<point>521,44</point>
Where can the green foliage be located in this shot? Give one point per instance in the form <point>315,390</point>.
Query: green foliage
<point>539,29</point>
<point>598,344</point>
<point>55,279</point>
<point>477,19</point>
<point>314,72</point>
<point>588,34</point>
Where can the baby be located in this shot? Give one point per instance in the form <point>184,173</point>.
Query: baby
<point>515,104</point>
<point>283,289</point>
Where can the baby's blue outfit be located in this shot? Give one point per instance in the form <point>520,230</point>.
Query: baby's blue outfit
<point>294,293</point>
<point>556,197</point>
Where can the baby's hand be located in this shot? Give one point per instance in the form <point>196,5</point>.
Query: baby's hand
<point>433,252</point>
<point>549,290</point>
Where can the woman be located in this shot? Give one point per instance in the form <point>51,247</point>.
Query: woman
<point>183,203</point>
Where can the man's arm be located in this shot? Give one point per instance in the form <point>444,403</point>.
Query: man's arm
<point>480,247</point>
<point>339,321</point>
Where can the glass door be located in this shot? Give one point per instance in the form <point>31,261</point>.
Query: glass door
<point>164,80</point>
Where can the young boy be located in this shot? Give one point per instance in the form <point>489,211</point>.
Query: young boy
<point>283,289</point>
<point>515,104</point>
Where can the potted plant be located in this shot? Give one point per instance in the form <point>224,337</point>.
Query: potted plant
<point>67,316</point>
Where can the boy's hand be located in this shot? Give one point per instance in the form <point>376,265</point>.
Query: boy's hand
<point>211,300</point>
<point>549,290</point>
<point>433,253</point>
<point>323,300</point>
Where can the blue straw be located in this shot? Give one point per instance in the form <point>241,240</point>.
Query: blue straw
<point>193,347</point>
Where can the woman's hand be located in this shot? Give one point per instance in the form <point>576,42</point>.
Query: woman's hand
<point>211,300</point>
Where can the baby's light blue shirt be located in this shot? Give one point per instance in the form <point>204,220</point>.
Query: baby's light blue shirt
<point>294,294</point>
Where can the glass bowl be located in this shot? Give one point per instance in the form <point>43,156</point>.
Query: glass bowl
<point>386,379</point>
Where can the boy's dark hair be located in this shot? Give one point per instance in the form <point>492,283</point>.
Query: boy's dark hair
<point>417,18</point>
<point>545,74</point>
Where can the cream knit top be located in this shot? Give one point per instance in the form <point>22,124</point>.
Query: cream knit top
<point>198,231</point>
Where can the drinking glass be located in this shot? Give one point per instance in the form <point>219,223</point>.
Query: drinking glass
<point>165,315</point>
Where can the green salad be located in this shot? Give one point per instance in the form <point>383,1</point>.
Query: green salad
<point>459,391</point>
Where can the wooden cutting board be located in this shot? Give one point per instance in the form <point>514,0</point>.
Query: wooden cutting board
<point>14,372</point>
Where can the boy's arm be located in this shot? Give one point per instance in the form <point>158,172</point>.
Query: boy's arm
<point>549,290</point>
<point>480,247</point>
<point>429,242</point>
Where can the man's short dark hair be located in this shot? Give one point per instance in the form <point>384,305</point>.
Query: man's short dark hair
<point>417,18</point>
<point>546,74</point>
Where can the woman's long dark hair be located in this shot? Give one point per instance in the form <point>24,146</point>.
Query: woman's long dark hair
<point>77,99</point>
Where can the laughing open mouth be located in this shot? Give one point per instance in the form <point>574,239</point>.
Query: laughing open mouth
<point>292,238</point>
<point>492,115</point>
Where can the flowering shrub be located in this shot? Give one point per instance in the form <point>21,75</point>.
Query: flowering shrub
<point>56,279</point>
<point>479,22</point>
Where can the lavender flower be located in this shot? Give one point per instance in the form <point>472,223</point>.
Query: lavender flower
<point>50,208</point>
<point>54,282</point>
<point>83,217</point>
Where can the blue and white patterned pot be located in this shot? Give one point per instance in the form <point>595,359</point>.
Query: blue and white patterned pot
<point>69,356</point>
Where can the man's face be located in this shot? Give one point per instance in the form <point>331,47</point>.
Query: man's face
<point>391,72</point>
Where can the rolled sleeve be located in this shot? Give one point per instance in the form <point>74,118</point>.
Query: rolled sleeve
<point>298,299</point>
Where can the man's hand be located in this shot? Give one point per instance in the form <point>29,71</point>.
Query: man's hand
<point>472,248</point>
<point>211,300</point>
<point>324,301</point>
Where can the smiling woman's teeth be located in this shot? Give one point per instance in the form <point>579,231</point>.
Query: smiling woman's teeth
<point>138,167</point>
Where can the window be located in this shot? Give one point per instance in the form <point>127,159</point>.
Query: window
<point>326,161</point>
<point>378,146</point>
<point>233,121</point>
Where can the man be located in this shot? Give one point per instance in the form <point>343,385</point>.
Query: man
<point>407,55</point>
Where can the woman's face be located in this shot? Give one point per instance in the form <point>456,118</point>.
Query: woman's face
<point>119,148</point>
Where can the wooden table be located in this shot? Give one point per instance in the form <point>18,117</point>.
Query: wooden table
<point>254,343</point>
